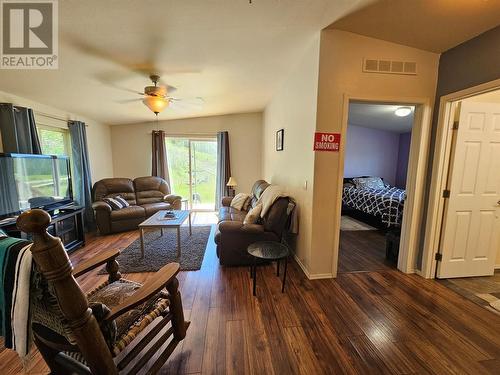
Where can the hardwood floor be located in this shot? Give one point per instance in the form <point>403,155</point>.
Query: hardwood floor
<point>360,323</point>
<point>481,290</point>
<point>363,250</point>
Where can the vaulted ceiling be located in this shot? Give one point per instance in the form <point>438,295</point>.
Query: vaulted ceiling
<point>431,25</point>
<point>231,53</point>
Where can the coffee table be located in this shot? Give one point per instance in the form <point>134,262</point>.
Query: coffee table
<point>158,221</point>
<point>270,251</point>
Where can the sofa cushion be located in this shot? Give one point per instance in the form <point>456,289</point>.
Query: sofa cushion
<point>150,189</point>
<point>152,208</point>
<point>258,188</point>
<point>130,212</point>
<point>112,187</point>
<point>231,214</point>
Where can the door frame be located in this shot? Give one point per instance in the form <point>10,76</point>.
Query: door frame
<point>417,163</point>
<point>440,171</point>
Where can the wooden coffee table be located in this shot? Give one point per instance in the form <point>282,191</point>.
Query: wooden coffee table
<point>158,221</point>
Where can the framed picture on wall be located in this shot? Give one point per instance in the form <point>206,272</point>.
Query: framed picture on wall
<point>280,135</point>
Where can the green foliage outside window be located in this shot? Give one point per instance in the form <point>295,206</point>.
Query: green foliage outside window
<point>53,142</point>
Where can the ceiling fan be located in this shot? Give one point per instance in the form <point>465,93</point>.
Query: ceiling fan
<point>157,98</point>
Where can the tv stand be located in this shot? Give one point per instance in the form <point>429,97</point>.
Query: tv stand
<point>66,223</point>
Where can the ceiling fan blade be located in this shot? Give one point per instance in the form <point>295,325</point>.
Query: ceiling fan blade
<point>125,101</point>
<point>187,104</point>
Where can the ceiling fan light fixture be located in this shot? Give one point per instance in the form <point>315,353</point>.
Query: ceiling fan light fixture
<point>402,111</point>
<point>155,103</point>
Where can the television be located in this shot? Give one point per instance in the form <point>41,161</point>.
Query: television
<point>33,181</point>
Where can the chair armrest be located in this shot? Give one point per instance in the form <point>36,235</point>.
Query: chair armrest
<point>236,226</point>
<point>88,265</point>
<point>100,205</point>
<point>226,201</point>
<point>171,198</point>
<point>160,279</point>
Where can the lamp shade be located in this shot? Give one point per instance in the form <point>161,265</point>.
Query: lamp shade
<point>232,182</point>
<point>155,103</point>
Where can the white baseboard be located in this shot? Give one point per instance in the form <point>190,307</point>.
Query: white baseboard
<point>497,266</point>
<point>310,276</point>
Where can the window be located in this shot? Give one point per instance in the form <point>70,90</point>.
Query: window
<point>54,141</point>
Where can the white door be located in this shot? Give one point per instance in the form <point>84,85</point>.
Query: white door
<point>471,228</point>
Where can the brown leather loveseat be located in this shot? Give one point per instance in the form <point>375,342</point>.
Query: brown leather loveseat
<point>146,196</point>
<point>233,237</point>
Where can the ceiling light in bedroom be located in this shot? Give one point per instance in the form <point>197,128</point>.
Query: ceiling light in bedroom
<point>402,111</point>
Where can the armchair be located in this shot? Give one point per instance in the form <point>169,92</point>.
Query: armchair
<point>101,332</point>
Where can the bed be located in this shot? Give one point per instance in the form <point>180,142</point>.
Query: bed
<point>382,201</point>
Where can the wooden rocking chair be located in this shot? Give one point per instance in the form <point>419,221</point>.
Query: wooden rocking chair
<point>116,328</point>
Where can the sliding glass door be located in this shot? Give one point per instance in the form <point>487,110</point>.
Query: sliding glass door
<point>192,165</point>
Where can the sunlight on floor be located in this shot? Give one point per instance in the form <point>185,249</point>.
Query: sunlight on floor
<point>204,218</point>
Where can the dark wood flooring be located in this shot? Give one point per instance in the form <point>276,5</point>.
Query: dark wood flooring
<point>360,323</point>
<point>480,290</point>
<point>363,250</point>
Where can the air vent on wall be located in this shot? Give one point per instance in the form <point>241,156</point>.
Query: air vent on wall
<point>389,66</point>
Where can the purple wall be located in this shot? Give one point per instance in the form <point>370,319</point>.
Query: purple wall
<point>374,152</point>
<point>403,155</point>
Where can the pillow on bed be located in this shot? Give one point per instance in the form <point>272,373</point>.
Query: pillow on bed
<point>369,183</point>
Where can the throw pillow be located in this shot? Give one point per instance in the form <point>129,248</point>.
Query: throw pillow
<point>253,215</point>
<point>122,200</point>
<point>369,183</point>
<point>248,203</point>
<point>238,201</point>
<point>114,203</point>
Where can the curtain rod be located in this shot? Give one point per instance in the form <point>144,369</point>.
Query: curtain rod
<point>187,135</point>
<point>51,116</point>
<point>54,117</point>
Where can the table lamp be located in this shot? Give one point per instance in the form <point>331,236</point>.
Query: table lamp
<point>231,184</point>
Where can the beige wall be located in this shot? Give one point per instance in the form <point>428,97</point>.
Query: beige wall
<point>132,144</point>
<point>293,108</point>
<point>98,134</point>
<point>341,58</point>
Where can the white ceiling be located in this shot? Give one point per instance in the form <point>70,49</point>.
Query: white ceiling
<point>231,53</point>
<point>379,116</point>
<point>432,25</point>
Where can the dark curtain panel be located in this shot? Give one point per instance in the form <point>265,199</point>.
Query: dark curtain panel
<point>18,128</point>
<point>159,163</point>
<point>223,166</point>
<point>82,183</point>
<point>9,199</point>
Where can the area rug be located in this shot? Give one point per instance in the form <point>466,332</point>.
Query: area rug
<point>160,250</point>
<point>348,223</point>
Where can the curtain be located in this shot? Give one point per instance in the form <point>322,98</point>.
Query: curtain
<point>223,166</point>
<point>159,162</point>
<point>82,182</point>
<point>9,199</point>
<point>17,125</point>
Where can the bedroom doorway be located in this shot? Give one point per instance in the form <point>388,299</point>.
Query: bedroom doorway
<point>376,158</point>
